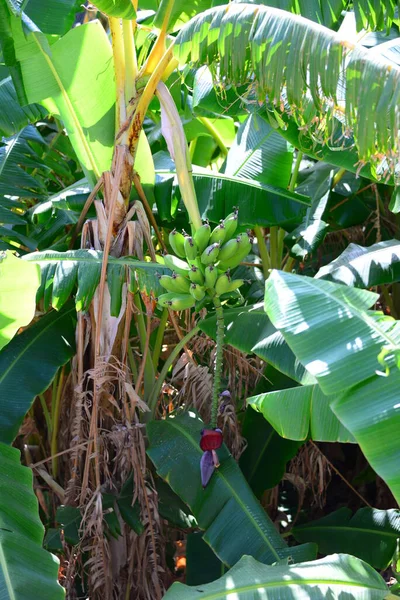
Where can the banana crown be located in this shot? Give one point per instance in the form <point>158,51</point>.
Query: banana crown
<point>201,263</point>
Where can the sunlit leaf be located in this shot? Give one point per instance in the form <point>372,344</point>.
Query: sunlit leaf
<point>19,281</point>
<point>365,266</point>
<point>299,412</point>
<point>331,331</point>
<point>338,576</point>
<point>297,66</point>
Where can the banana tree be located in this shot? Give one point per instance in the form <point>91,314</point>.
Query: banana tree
<point>109,89</point>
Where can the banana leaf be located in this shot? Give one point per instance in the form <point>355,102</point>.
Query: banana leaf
<point>365,267</point>
<point>334,577</point>
<point>352,352</point>
<point>370,534</point>
<point>18,284</point>
<point>231,517</point>
<point>28,364</point>
<point>26,569</point>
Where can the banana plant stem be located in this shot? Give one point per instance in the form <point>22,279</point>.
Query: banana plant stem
<point>141,329</point>
<point>55,416</point>
<point>46,414</point>
<point>218,363</point>
<point>273,247</point>
<point>215,134</point>
<point>153,399</point>
<point>131,67</point>
<point>159,338</point>
<point>160,46</point>
<point>289,264</point>
<point>118,48</point>
<point>136,123</point>
<point>262,249</point>
<point>281,237</point>
<point>338,177</point>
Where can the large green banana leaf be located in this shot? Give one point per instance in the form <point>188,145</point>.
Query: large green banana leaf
<point>233,520</point>
<point>61,271</point>
<point>299,66</point>
<point>72,78</point>
<point>258,203</point>
<point>299,412</point>
<point>28,364</point>
<point>180,12</point>
<point>370,534</point>
<point>26,570</point>
<point>18,284</point>
<point>376,15</point>
<point>326,12</point>
<point>54,17</point>
<point>330,330</point>
<point>14,117</point>
<point>264,459</point>
<point>310,234</point>
<point>259,153</point>
<point>117,8</point>
<point>335,577</point>
<point>15,153</point>
<point>365,267</point>
<point>232,101</point>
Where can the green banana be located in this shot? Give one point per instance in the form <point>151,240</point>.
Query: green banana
<point>231,223</point>
<point>197,263</point>
<point>229,249</point>
<point>183,302</point>
<point>201,236</point>
<point>211,276</point>
<point>222,284</point>
<point>218,234</point>
<point>176,301</point>
<point>190,248</point>
<point>210,254</point>
<point>197,291</point>
<point>175,283</point>
<point>244,247</point>
<point>177,242</point>
<point>176,264</point>
<point>195,275</point>
<point>244,237</point>
<point>234,284</point>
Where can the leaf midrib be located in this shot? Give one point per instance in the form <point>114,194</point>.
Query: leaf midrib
<point>233,492</point>
<point>251,153</point>
<point>348,528</point>
<point>4,568</point>
<point>284,583</point>
<point>7,155</point>
<point>300,199</point>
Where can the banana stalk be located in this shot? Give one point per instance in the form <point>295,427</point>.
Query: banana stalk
<point>218,361</point>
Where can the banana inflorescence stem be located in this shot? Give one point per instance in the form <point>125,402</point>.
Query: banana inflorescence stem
<point>218,361</point>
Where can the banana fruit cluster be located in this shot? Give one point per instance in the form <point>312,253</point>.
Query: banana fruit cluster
<point>202,262</point>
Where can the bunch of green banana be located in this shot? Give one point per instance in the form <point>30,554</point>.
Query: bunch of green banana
<point>210,255</point>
